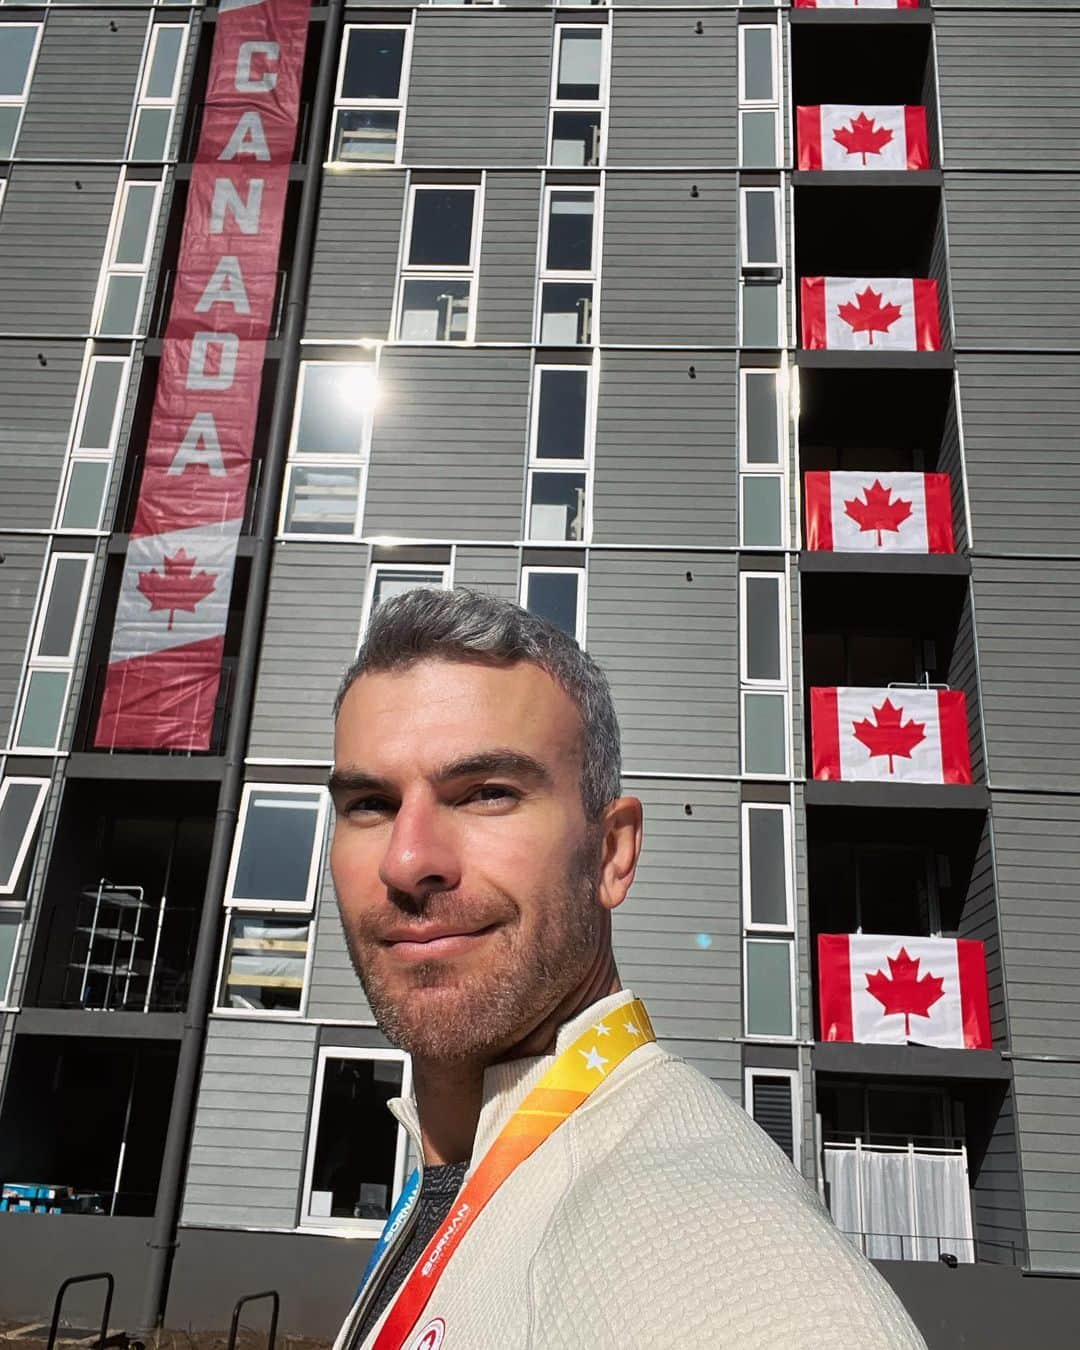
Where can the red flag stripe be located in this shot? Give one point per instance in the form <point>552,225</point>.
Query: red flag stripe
<point>974,994</point>
<point>927,316</point>
<point>163,699</point>
<point>955,747</point>
<point>825,734</point>
<point>808,122</point>
<point>812,297</point>
<point>834,987</point>
<point>918,143</point>
<point>939,522</point>
<point>819,531</point>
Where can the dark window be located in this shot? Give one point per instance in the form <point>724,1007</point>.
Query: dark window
<point>768,869</point>
<point>553,596</point>
<point>560,424</point>
<point>373,63</point>
<point>441,228</point>
<point>771,1108</point>
<point>570,232</point>
<point>356,1143</point>
<point>280,831</point>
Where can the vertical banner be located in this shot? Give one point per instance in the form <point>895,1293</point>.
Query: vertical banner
<point>169,636</point>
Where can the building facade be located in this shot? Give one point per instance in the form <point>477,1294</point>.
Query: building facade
<point>558,314</point>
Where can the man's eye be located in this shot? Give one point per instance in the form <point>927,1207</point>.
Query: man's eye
<point>491,792</point>
<point>367,805</point>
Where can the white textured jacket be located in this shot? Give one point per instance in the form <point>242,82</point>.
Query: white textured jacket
<point>658,1215</point>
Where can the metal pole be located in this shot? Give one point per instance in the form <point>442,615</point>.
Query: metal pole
<point>181,1114</point>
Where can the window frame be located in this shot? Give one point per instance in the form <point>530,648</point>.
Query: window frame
<point>20,101</point>
<point>749,924</point>
<point>375,568</point>
<point>603,92</point>
<point>60,662</point>
<point>528,570</point>
<point>794,1077</point>
<point>746,465</point>
<point>359,1227</point>
<point>758,682</point>
<point>398,104</point>
<point>566,274</point>
<point>778,940</point>
<point>110,268</point>
<point>427,272</point>
<point>143,100</point>
<point>221,1009</point>
<point>766,692</point>
<point>760,265</point>
<point>586,461</point>
<point>774,56</point>
<point>10,883</point>
<point>315,863</point>
<point>6,915</point>
<point>77,454</point>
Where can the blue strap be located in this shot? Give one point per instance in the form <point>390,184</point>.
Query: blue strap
<point>392,1225</point>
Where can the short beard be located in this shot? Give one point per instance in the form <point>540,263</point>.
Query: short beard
<point>503,1003</point>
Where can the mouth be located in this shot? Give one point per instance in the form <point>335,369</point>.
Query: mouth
<point>434,942</point>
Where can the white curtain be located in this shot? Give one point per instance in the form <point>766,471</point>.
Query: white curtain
<point>942,1207</point>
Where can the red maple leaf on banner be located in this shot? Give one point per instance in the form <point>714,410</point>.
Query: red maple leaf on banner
<point>886,736</point>
<point>177,585</point>
<point>878,512</point>
<point>864,137</point>
<point>902,991</point>
<point>869,315</point>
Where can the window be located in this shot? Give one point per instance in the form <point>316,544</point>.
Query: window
<point>762,461</point>
<point>21,802</point>
<point>762,267</point>
<point>155,107</point>
<point>389,579</point>
<point>767,867</point>
<point>370,104</point>
<point>769,987</point>
<point>356,1149</point>
<point>19,44</point>
<point>760,227</point>
<point>10,928</point>
<point>264,966</point>
<point>52,652</point>
<point>328,452</point>
<point>759,96</point>
<point>435,303</point>
<point>558,506</point>
<point>93,443</point>
<point>567,256</point>
<point>278,854</point>
<point>578,95</point>
<point>772,1099</point>
<point>558,595</point>
<point>127,258</point>
<point>763,625</point>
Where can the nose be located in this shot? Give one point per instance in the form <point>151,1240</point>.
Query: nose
<point>420,856</point>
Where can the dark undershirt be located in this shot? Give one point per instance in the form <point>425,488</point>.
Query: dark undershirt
<point>438,1190</point>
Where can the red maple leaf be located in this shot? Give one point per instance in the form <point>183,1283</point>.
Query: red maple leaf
<point>177,585</point>
<point>878,512</point>
<point>886,736</point>
<point>901,991</point>
<point>869,315</point>
<point>863,137</point>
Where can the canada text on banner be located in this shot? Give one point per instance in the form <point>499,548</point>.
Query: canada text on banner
<point>879,512</point>
<point>169,635</point>
<point>890,735</point>
<point>882,990</point>
<point>853,136</point>
<point>870,314</point>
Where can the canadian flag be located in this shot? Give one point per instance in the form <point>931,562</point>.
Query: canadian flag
<point>890,735</point>
<point>870,314</point>
<point>879,512</point>
<point>883,990</point>
<point>856,4</point>
<point>862,136</point>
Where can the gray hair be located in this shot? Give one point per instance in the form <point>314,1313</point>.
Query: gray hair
<point>456,625</point>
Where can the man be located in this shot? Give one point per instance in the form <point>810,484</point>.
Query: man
<point>581,1186</point>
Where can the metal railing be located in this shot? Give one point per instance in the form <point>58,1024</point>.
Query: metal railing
<point>110,1288</point>
<point>271,1334</point>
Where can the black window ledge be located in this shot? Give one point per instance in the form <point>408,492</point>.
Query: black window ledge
<point>908,1061</point>
<point>910,796</point>
<point>887,564</point>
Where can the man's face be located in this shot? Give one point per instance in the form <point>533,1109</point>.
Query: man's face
<point>466,871</point>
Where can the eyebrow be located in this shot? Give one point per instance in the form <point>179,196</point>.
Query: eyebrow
<point>486,763</point>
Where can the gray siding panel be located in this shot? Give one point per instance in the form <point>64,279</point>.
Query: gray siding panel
<point>23,557</point>
<point>507,284</point>
<point>963,674</point>
<point>1008,90</point>
<point>1048,1111</point>
<point>247,1148</point>
<point>998,1204</point>
<point>666,449</point>
<point>670,259</point>
<point>660,120</point>
<point>1023,471</point>
<point>52,241</point>
<point>670,648</point>
<point>38,403</point>
<point>492,570</point>
<point>1015,269</point>
<point>979,921</point>
<point>334,989</point>
<point>448,448</point>
<point>353,271</point>
<point>84,85</point>
<point>478,89</point>
<point>1028,623</point>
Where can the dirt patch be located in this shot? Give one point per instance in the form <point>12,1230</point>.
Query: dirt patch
<point>35,1337</point>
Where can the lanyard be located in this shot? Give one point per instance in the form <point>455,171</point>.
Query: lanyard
<point>578,1071</point>
<point>392,1226</point>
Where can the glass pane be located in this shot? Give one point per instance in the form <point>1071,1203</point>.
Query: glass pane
<point>757,65</point>
<point>762,512</point>
<point>322,500</point>
<point>760,414</point>
<point>560,418</point>
<point>275,851</point>
<point>15,816</point>
<point>151,139</point>
<point>334,409</point>
<point>580,64</point>
<point>575,138</point>
<point>768,989</point>
<point>759,140</point>
<point>9,932</point>
<point>762,621</point>
<point>162,75</point>
<point>57,634</point>
<point>102,396</point>
<point>553,596</point>
<point>135,226</point>
<point>264,964</point>
<point>373,63</point>
<point>16,49</point>
<point>366,135</point>
<point>566,313</point>
<point>765,746</point>
<point>557,510</point>
<point>355,1150</point>
<point>435,311</point>
<point>768,870</point>
<point>441,228</point>
<point>9,125</point>
<point>85,495</point>
<point>760,316</point>
<point>120,312</point>
<point>388,584</point>
<point>570,232</point>
<point>759,208</point>
<point>43,710</point>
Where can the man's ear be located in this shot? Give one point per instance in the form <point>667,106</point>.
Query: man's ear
<point>622,832</point>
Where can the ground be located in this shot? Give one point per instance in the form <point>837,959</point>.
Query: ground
<point>35,1337</point>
